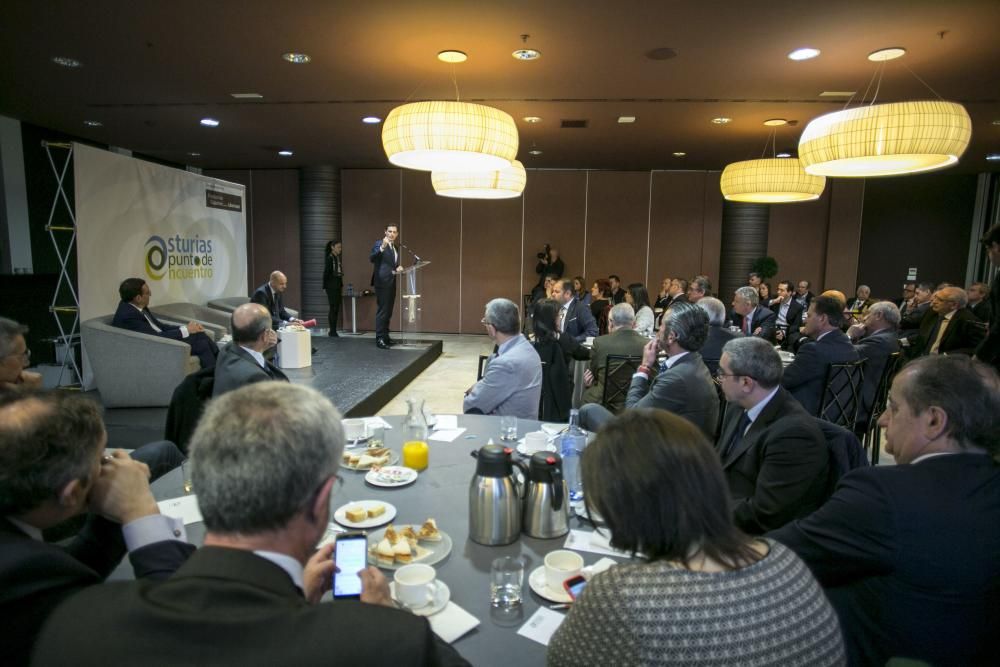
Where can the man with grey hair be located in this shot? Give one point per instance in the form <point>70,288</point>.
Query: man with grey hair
<point>264,462</point>
<point>718,333</point>
<point>622,339</point>
<point>884,546</point>
<point>698,288</point>
<point>875,340</point>
<point>948,327</point>
<point>862,301</point>
<point>684,387</point>
<point>773,454</point>
<point>750,317</point>
<point>15,357</point>
<point>512,381</point>
<point>242,361</point>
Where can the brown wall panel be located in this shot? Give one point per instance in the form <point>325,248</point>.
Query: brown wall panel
<point>711,236</point>
<point>491,257</point>
<point>431,227</point>
<point>554,213</point>
<point>797,240</point>
<point>617,224</point>
<point>677,211</point>
<point>844,236</point>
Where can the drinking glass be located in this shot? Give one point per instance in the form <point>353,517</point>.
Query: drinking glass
<point>506,581</point>
<point>508,429</point>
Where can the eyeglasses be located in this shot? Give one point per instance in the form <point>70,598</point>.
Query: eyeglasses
<point>485,322</point>
<point>719,375</point>
<point>25,355</point>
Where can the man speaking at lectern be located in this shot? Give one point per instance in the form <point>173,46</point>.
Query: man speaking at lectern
<point>385,260</point>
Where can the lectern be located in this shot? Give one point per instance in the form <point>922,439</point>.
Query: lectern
<point>409,288</point>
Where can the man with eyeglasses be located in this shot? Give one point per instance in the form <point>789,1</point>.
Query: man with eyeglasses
<point>15,357</point>
<point>948,327</point>
<point>242,362</point>
<point>875,340</point>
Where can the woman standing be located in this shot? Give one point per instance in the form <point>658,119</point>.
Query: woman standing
<point>637,297</point>
<point>333,282</point>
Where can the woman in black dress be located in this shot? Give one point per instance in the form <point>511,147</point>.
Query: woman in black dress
<point>333,281</point>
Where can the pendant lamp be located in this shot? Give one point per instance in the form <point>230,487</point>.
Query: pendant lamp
<point>501,184</point>
<point>770,181</point>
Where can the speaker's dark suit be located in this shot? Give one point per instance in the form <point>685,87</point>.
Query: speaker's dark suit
<point>236,368</point>
<point>579,322</point>
<point>908,555</point>
<point>35,576</point>
<point>384,265</point>
<point>962,336</point>
<point>805,377</point>
<point>875,348</point>
<point>232,607</point>
<point>989,349</point>
<point>793,322</point>
<point>129,317</point>
<point>763,318</point>
<point>779,470</point>
<point>271,300</point>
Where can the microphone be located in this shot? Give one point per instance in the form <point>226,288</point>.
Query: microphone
<point>415,256</point>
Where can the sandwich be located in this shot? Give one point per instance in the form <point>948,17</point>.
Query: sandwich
<point>356,514</point>
<point>384,553</point>
<point>401,551</point>
<point>390,534</point>
<point>429,531</point>
<point>366,461</point>
<point>410,536</point>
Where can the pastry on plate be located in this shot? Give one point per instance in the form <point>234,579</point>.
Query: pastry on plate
<point>402,553</point>
<point>384,554</point>
<point>376,510</point>
<point>429,531</point>
<point>356,514</point>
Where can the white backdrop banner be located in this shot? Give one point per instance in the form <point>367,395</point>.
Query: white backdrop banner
<point>183,233</point>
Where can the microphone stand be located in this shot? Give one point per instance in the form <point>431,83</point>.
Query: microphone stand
<point>415,255</point>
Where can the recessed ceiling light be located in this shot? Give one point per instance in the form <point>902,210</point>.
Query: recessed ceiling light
<point>526,54</point>
<point>452,56</point>
<point>371,120</point>
<point>209,122</point>
<point>890,53</point>
<point>993,157</point>
<point>534,152</point>
<point>624,120</point>
<point>93,123</point>
<point>997,121</point>
<point>66,62</point>
<point>803,54</point>
<point>246,96</point>
<point>532,119</point>
<point>297,58</point>
<point>679,153</point>
<point>837,93</point>
<point>722,120</point>
<point>194,154</point>
<point>661,53</point>
<point>783,155</point>
<point>775,122</point>
<point>285,153</point>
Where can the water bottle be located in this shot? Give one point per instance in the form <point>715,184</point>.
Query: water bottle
<point>571,445</point>
<point>350,289</point>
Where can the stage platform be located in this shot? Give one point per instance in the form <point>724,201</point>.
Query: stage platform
<point>358,378</point>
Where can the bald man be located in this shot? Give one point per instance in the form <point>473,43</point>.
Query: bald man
<point>948,327</point>
<point>242,361</point>
<point>269,296</point>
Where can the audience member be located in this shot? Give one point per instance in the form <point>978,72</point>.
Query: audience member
<point>684,387</point>
<point>718,333</point>
<point>264,461</point>
<point>556,352</point>
<point>622,339</point>
<point>875,340</point>
<point>269,295</point>
<point>242,361</point>
<point>806,376</point>
<point>333,283</point>
<point>543,290</point>
<point>773,454</point>
<point>909,323</point>
<point>978,302</point>
<point>574,318</point>
<point>601,304</point>
<point>948,327</point>
<point>133,314</point>
<point>787,316</point>
<point>989,349</point>
<point>581,291</point>
<point>617,292</point>
<point>754,279</point>
<point>702,592</point>
<point>678,290</point>
<point>803,295</point>
<point>663,298</point>
<point>764,292</point>
<point>750,317</point>
<point>512,381</point>
<point>53,466</point>
<point>549,263</point>
<point>862,300</point>
<point>15,357</point>
<point>905,301</point>
<point>698,288</point>
<point>838,295</point>
<point>637,297</point>
<point>908,553</point>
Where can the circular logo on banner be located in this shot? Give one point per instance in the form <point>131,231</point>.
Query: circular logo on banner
<point>156,258</point>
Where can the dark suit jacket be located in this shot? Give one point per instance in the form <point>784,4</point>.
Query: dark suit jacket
<point>579,321</point>
<point>271,300</point>
<point>236,368</point>
<point>908,557</point>
<point>912,318</point>
<point>876,348</point>
<point>711,351</point>
<point>128,317</point>
<point>793,321</point>
<point>854,306</point>
<point>963,335</point>
<point>622,341</point>
<point>982,310</point>
<point>35,576</point>
<point>232,607</point>
<point>686,389</point>
<point>384,264</point>
<point>805,377</point>
<point>989,349</point>
<point>333,274</point>
<point>762,317</point>
<point>780,469</point>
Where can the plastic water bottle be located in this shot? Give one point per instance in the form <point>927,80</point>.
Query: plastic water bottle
<point>350,289</point>
<point>571,445</point>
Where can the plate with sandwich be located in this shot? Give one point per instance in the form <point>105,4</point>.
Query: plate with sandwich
<point>397,545</point>
<point>368,458</point>
<point>365,514</point>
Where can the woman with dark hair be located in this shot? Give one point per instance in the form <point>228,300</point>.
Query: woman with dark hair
<point>556,353</point>
<point>637,297</point>
<point>581,291</point>
<point>704,593</point>
<point>764,291</point>
<point>333,281</point>
<point>600,303</point>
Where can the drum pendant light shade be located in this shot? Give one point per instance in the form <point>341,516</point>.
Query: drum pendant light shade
<point>502,184</point>
<point>449,136</point>
<point>770,181</point>
<point>886,139</point>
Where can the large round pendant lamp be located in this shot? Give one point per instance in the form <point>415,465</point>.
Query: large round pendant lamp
<point>886,139</point>
<point>449,136</point>
<point>769,181</point>
<point>501,184</point>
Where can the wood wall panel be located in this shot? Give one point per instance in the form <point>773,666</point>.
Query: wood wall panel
<point>617,224</point>
<point>844,235</point>
<point>491,257</point>
<point>797,240</point>
<point>431,227</point>
<point>711,236</point>
<point>677,213</point>
<point>554,213</point>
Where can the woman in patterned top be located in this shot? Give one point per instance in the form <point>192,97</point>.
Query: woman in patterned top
<point>704,593</point>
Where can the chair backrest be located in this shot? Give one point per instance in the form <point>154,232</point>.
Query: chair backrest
<point>618,371</point>
<point>845,450</point>
<point>842,393</point>
<point>892,366</point>
<point>482,366</point>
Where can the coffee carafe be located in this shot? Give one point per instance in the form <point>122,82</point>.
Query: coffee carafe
<point>546,500</point>
<point>495,497</point>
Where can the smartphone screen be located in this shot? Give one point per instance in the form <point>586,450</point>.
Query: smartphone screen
<point>575,586</point>
<point>351,556</point>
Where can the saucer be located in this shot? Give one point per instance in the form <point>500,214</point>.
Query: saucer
<point>541,588</point>
<point>442,594</point>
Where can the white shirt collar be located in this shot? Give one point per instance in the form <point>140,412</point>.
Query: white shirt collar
<point>291,566</point>
<point>820,337</point>
<point>924,457</point>
<point>258,357</point>
<point>673,360</point>
<point>755,411</point>
<point>32,531</point>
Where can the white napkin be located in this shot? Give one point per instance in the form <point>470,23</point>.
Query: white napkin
<point>446,435</point>
<point>581,540</point>
<point>376,421</point>
<point>446,422</point>
<point>452,622</point>
<point>542,625</point>
<point>184,508</point>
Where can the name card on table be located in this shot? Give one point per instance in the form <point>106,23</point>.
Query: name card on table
<point>184,508</point>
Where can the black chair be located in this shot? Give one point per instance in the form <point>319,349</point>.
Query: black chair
<point>186,405</point>
<point>482,367</point>
<point>845,450</point>
<point>618,372</point>
<point>842,393</point>
<point>873,434</point>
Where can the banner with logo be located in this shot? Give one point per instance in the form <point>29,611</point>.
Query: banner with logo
<point>183,233</point>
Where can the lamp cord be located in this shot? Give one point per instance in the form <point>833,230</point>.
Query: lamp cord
<point>922,81</point>
<point>454,80</point>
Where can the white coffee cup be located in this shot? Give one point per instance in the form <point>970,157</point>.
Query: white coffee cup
<point>561,565</point>
<point>354,429</point>
<point>535,441</point>
<point>415,584</point>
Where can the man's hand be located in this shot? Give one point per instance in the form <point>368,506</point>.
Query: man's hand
<point>386,243</point>
<point>588,378</point>
<point>469,390</point>
<point>271,338</point>
<point>399,269</point>
<point>375,587</point>
<point>856,331</point>
<point>121,491</point>
<point>758,331</point>
<point>31,380</point>
<point>194,327</point>
<point>649,353</point>
<point>318,574</point>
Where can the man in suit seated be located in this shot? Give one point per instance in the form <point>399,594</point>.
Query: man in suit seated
<point>908,553</point>
<point>622,339</point>
<point>875,340</point>
<point>264,460</point>
<point>269,295</point>
<point>752,318</point>
<point>803,294</point>
<point>617,291</point>
<point>979,304</point>
<point>512,381</point>
<point>913,315</point>
<point>948,327</point>
<point>698,288</point>
<point>805,377</point>
<point>575,319</point>
<point>15,358</point>
<point>788,315</point>
<point>53,467</point>
<point>718,333</point>
<point>773,454</point>
<point>133,314</point>
<point>684,387</point>
<point>861,303</point>
<point>242,361</point>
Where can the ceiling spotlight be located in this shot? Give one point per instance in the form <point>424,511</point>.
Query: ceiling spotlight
<point>452,56</point>
<point>997,121</point>
<point>532,119</point>
<point>534,152</point>
<point>297,58</point>
<point>803,54</point>
<point>67,62</point>
<point>783,155</point>
<point>775,122</point>
<point>209,122</point>
<point>371,120</point>
<point>890,53</point>
<point>246,96</point>
<point>993,157</point>
<point>679,154</point>
<point>626,119</point>
<point>285,153</point>
<point>93,123</point>
<point>837,93</point>
<point>526,54</point>
<point>722,120</point>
